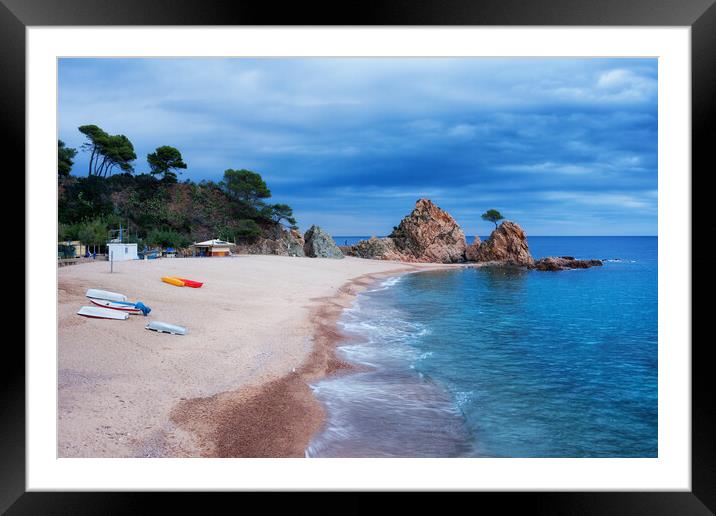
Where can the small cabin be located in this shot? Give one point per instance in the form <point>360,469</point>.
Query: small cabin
<point>212,248</point>
<point>120,251</point>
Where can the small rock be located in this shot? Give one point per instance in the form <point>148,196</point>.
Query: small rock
<point>560,263</point>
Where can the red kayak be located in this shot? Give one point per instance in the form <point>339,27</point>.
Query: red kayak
<point>191,283</point>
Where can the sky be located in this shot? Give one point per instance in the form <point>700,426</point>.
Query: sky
<point>560,146</point>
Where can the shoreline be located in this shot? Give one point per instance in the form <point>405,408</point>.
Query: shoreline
<point>261,329</point>
<point>278,419</point>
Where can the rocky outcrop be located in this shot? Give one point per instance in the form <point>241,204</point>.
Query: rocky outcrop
<point>507,245</point>
<point>471,251</point>
<point>294,243</point>
<point>319,244</point>
<point>560,263</point>
<point>274,239</point>
<point>376,249</point>
<point>427,234</point>
<point>430,234</point>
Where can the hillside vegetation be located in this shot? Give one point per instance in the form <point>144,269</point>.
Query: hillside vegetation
<point>155,208</point>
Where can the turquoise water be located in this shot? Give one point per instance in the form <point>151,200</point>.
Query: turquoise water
<point>503,363</point>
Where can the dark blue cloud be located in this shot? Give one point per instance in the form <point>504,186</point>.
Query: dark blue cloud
<point>562,146</point>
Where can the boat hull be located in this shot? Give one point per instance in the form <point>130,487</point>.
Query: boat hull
<point>163,327</point>
<point>191,283</point>
<point>95,312</point>
<point>113,305</point>
<point>173,281</point>
<point>94,293</point>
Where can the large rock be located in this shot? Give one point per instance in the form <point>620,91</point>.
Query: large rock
<point>274,239</point>
<point>471,251</point>
<point>560,263</point>
<point>319,244</point>
<point>376,249</point>
<point>430,234</point>
<point>427,234</point>
<point>507,245</point>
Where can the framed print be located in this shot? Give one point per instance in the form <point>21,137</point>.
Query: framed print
<point>420,248</point>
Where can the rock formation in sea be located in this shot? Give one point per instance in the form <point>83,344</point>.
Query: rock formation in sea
<point>427,234</point>
<point>274,239</point>
<point>471,251</point>
<point>319,244</point>
<point>430,234</point>
<point>507,245</point>
<point>560,263</point>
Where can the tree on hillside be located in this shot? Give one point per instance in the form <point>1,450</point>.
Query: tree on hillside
<point>246,187</point>
<point>492,216</point>
<point>65,157</point>
<point>167,238</point>
<point>107,151</point>
<point>85,198</point>
<point>165,160</point>
<point>119,152</point>
<point>92,232</point>
<point>243,229</point>
<point>279,212</point>
<point>97,139</point>
<point>66,232</point>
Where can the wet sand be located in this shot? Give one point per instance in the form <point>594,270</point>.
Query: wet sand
<point>260,329</point>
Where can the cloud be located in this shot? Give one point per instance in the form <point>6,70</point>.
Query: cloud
<point>626,85</point>
<point>364,137</point>
<point>637,201</point>
<point>548,167</point>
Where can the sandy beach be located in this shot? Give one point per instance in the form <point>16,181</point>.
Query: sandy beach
<point>260,328</point>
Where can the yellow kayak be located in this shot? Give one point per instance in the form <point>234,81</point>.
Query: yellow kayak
<point>173,281</point>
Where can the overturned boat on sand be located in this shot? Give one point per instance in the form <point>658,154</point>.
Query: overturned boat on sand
<point>95,312</point>
<point>94,293</point>
<point>163,327</point>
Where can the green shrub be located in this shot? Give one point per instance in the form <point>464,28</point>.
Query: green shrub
<point>167,238</point>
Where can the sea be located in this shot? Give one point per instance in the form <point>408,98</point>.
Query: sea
<point>491,362</point>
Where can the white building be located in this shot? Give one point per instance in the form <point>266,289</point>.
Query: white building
<point>120,251</point>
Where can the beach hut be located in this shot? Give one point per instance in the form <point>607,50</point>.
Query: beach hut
<point>120,251</point>
<point>212,248</point>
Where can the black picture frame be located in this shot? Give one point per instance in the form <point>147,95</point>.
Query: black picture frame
<point>700,15</point>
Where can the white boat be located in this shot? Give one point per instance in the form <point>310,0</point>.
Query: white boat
<point>163,327</point>
<point>125,306</point>
<point>94,293</point>
<point>102,313</point>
